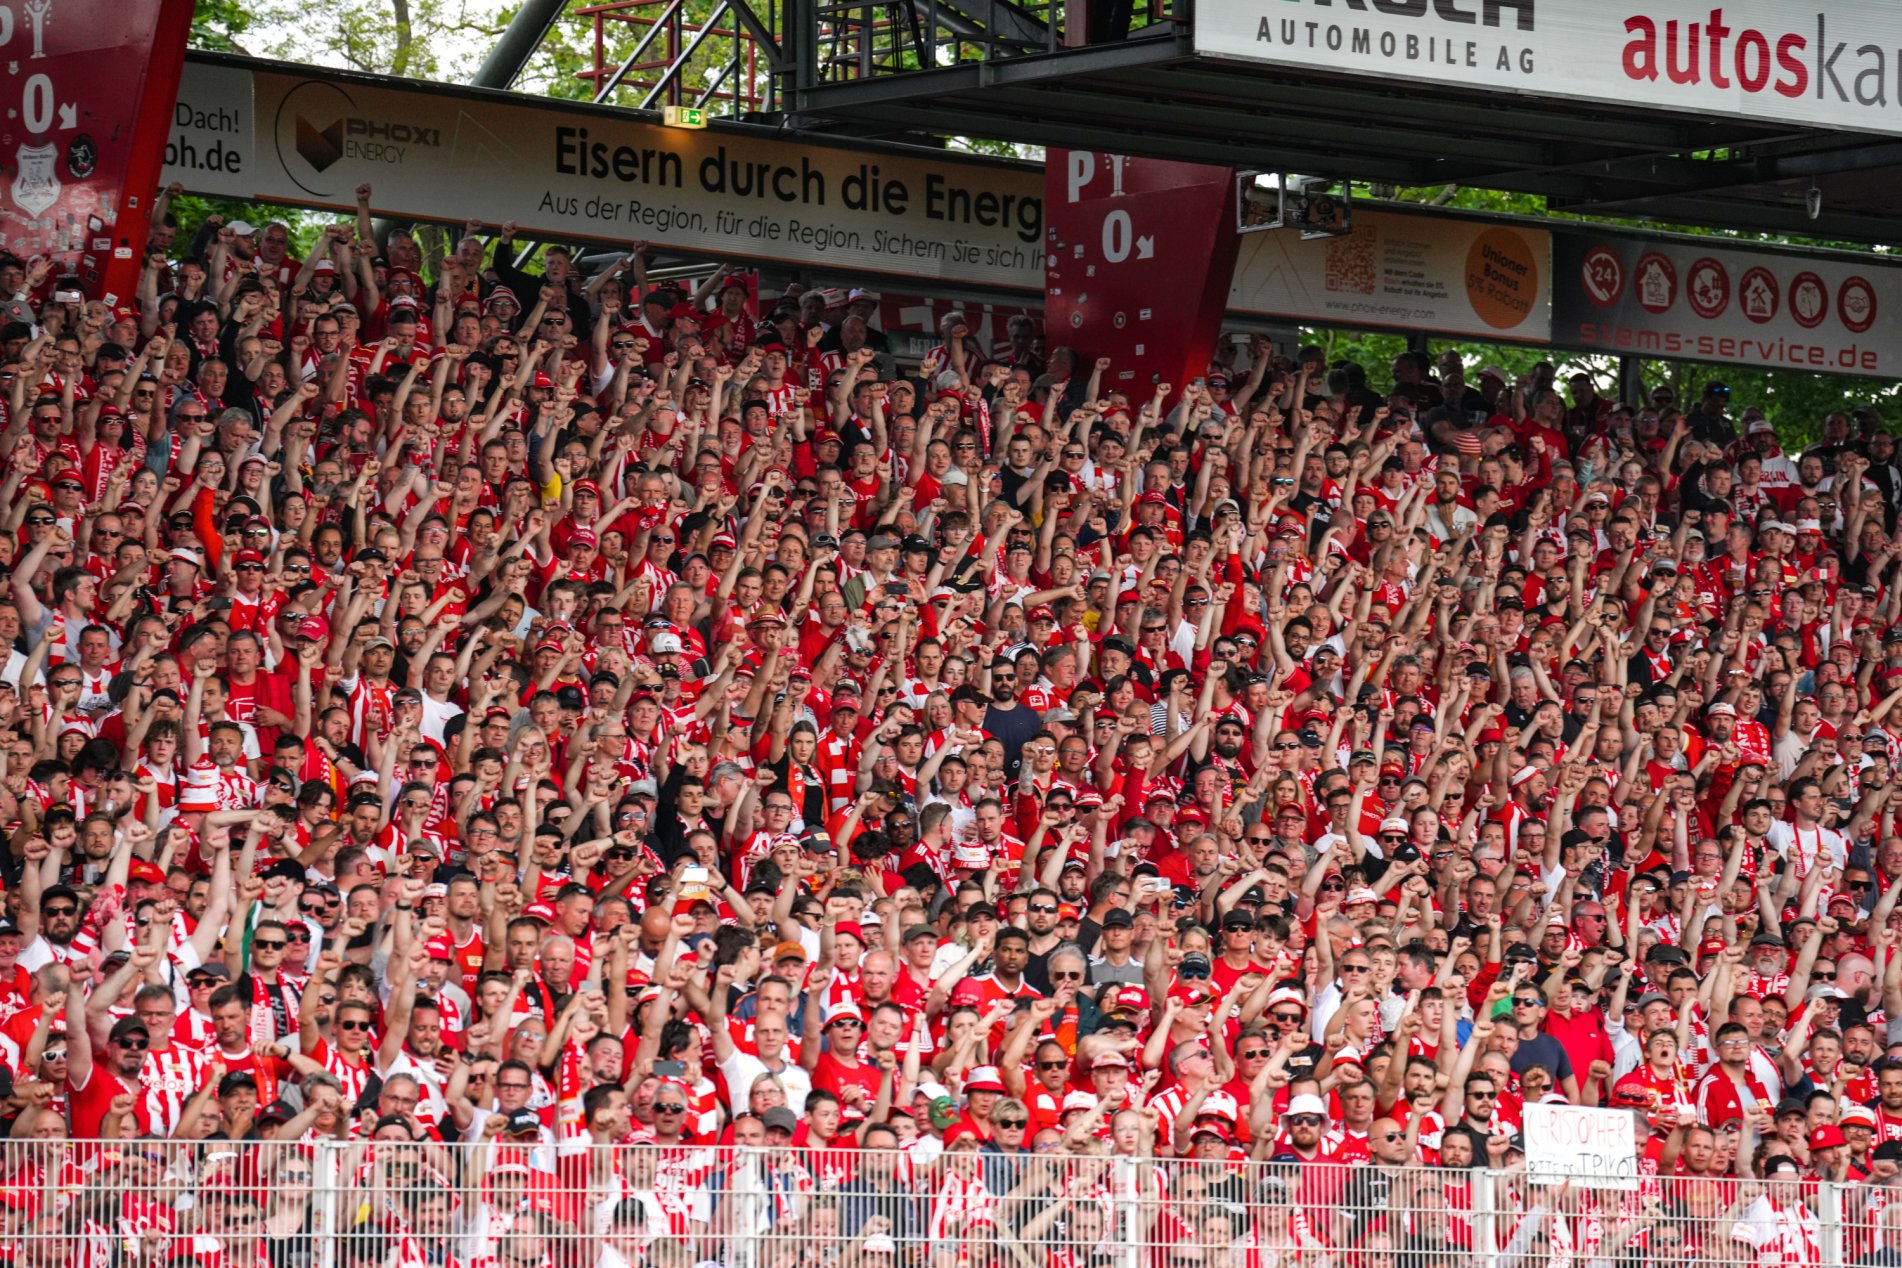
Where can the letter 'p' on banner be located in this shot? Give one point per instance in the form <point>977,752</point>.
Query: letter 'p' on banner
<point>1139,255</point>
<point>88,87</point>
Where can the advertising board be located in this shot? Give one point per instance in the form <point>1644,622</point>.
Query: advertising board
<point>1685,299</point>
<point>1470,278</point>
<point>608,175</point>
<point>1825,63</point>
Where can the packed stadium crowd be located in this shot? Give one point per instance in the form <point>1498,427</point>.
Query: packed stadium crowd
<point>603,773</point>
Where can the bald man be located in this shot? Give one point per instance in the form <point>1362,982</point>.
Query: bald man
<point>1369,1193</point>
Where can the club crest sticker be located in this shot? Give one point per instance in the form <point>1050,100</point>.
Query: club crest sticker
<point>36,186</point>
<point>82,157</point>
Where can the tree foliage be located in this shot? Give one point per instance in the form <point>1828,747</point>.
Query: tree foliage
<point>217,24</point>
<point>1794,401</point>
<point>422,39</point>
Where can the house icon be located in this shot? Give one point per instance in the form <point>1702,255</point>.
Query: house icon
<point>1759,300</point>
<point>1655,285</point>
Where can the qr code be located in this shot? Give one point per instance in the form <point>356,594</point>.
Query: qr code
<point>1350,261</point>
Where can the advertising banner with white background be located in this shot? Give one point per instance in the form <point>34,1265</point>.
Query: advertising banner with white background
<point>1448,276</point>
<point>1687,299</point>
<point>1824,63</point>
<point>247,132</point>
<point>606,175</point>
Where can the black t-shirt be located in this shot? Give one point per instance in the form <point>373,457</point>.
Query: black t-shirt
<point>1014,727</point>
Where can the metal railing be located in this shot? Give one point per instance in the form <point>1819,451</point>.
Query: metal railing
<point>737,56</point>
<point>651,53</point>
<point>868,39</point>
<point>391,1203</point>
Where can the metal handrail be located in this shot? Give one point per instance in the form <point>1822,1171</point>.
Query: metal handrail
<point>662,73</point>
<point>770,44</point>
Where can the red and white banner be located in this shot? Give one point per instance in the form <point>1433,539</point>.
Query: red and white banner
<point>1827,63</point>
<point>1140,256</point>
<point>1686,299</point>
<point>89,87</point>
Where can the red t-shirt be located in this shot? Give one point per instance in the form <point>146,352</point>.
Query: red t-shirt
<point>90,1104</point>
<point>833,1076</point>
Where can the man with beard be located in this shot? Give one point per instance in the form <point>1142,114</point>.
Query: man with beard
<point>233,1047</point>
<point>49,926</point>
<point>97,1078</point>
<point>1802,839</point>
<point>1013,723</point>
<point>415,1026</point>
<point>1231,738</point>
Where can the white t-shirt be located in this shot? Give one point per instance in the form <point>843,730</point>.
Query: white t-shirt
<point>436,717</point>
<point>742,1068</point>
<point>1805,847</point>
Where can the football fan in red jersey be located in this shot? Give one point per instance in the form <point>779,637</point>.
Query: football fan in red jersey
<point>616,770</point>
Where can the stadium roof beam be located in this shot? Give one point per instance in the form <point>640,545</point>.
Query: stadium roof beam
<point>1152,94</point>
<point>517,43</point>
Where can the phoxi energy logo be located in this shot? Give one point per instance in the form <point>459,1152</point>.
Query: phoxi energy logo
<point>1827,63</point>
<point>319,125</point>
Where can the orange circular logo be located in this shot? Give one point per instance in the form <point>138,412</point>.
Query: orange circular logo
<point>1502,278</point>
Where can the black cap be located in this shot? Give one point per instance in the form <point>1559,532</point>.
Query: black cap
<point>1118,918</point>
<point>126,1027</point>
<point>1238,920</point>
<point>523,1121</point>
<point>1781,1163</point>
<point>236,1081</point>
